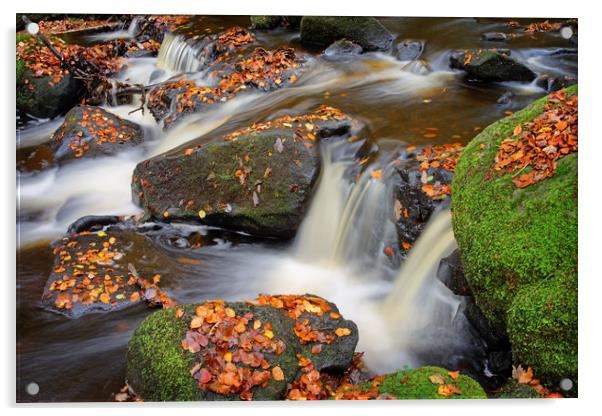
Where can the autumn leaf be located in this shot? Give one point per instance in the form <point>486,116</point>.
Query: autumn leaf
<point>277,373</point>
<point>341,332</point>
<point>454,374</point>
<point>377,174</point>
<point>179,313</point>
<point>205,376</point>
<point>517,130</point>
<point>196,322</point>
<point>388,251</point>
<point>444,390</point>
<point>437,379</point>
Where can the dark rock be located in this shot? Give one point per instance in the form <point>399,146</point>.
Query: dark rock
<point>91,132</point>
<point>37,98</point>
<point>368,32</point>
<point>552,83</point>
<point>92,223</point>
<point>159,368</point>
<point>490,66</point>
<point>451,275</point>
<point>410,50</point>
<point>342,49</point>
<point>416,205</point>
<point>257,180</point>
<point>142,53</point>
<point>494,37</point>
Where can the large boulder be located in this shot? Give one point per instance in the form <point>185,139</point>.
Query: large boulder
<point>265,22</point>
<point>518,236</point>
<point>237,350</point>
<point>427,383</point>
<point>258,179</point>
<point>367,32</point>
<point>490,65</point>
<point>90,131</point>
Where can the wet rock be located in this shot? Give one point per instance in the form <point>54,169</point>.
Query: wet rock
<point>237,350</point>
<point>257,180</point>
<point>490,65</point>
<point>553,83</point>
<point>494,37</point>
<point>342,49</point>
<point>367,32</point>
<point>265,22</point>
<point>409,50</point>
<point>92,223</point>
<point>450,273</point>
<point>261,70</point>
<point>422,188</point>
<point>41,97</point>
<point>505,99</point>
<point>91,132</point>
<point>101,271</point>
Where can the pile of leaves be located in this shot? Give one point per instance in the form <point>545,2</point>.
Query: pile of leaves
<point>306,126</point>
<point>42,62</point>
<point>538,144</point>
<point>263,69</point>
<point>89,275</point>
<point>95,123</point>
<point>56,27</point>
<point>441,156</point>
<point>233,349</point>
<point>535,27</point>
<point>526,377</point>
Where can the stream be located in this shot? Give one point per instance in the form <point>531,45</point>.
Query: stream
<point>405,316</point>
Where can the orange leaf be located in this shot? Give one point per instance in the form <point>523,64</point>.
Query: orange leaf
<point>277,373</point>
<point>444,390</point>
<point>453,374</point>
<point>389,251</point>
<point>377,174</point>
<point>342,332</point>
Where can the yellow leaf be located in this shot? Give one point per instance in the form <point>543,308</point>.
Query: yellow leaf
<point>341,332</point>
<point>277,373</point>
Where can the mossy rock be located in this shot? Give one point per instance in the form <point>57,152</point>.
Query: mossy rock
<point>415,384</point>
<point>519,249</point>
<point>266,22</point>
<point>515,390</point>
<point>206,184</point>
<point>367,32</point>
<point>159,368</point>
<point>39,99</point>
<point>491,66</point>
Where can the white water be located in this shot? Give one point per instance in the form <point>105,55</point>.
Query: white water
<point>176,55</point>
<point>117,34</point>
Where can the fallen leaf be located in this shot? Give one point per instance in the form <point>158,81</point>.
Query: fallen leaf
<point>277,373</point>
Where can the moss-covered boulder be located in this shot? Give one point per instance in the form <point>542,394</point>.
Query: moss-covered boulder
<point>367,32</point>
<point>237,350</point>
<point>429,383</point>
<point>490,65</point>
<point>90,131</point>
<point>265,22</point>
<point>519,248</point>
<point>515,390</point>
<point>41,97</point>
<point>258,179</point>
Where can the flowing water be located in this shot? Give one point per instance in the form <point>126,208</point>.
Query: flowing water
<point>406,317</point>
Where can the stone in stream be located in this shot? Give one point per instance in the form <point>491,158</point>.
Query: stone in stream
<point>494,37</point>
<point>519,245</point>
<point>257,180</point>
<point>93,272</point>
<point>342,49</point>
<point>90,131</point>
<point>250,350</point>
<point>424,184</point>
<point>265,22</point>
<point>409,50</point>
<point>490,65</point>
<point>367,32</point>
<point>552,83</point>
<point>261,70</point>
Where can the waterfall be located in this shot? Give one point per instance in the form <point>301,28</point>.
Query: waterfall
<point>177,55</point>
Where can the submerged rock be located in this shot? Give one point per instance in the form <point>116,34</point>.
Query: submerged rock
<point>237,350</point>
<point>427,383</point>
<point>519,247</point>
<point>490,65</point>
<point>409,50</point>
<point>342,49</point>
<point>91,132</point>
<point>367,32</point>
<point>257,180</point>
<point>552,83</point>
<point>494,37</point>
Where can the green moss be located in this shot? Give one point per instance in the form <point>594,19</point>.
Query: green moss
<point>415,384</point>
<point>158,367</point>
<point>542,325</point>
<point>515,390</point>
<point>266,22</point>
<point>516,240</point>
